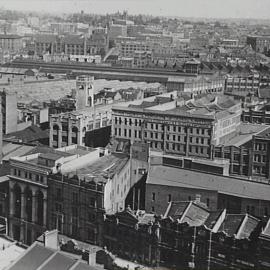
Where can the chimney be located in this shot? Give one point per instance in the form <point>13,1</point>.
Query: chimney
<point>50,239</point>
<point>198,198</point>
<point>92,257</point>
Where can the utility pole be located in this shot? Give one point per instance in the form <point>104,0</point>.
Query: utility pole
<point>209,251</point>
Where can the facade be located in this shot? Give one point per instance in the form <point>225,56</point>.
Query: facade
<point>10,43</point>
<point>29,209</point>
<point>167,183</point>
<point>141,59</point>
<point>128,48</point>
<point>186,236</point>
<point>116,30</point>
<point>71,127</point>
<point>242,85</point>
<point>96,44</point>
<point>259,44</point>
<point>9,111</point>
<point>76,207</point>
<point>188,127</point>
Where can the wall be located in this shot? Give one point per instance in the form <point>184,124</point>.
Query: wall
<point>162,192</point>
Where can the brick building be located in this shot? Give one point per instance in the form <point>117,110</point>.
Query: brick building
<point>168,183</point>
<point>186,236</point>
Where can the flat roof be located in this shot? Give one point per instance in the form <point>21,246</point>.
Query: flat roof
<point>245,133</point>
<point>176,177</point>
<point>105,167</point>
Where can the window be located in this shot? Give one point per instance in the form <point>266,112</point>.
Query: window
<point>153,209</point>
<point>93,202</point>
<point>74,211</point>
<point>189,198</point>
<point>74,197</point>
<point>153,196</point>
<point>169,198</point>
<point>15,172</point>
<point>19,173</point>
<point>207,202</point>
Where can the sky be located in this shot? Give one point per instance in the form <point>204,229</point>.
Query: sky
<point>258,9</point>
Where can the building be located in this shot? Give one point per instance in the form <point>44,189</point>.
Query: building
<point>116,30</point>
<point>141,59</point>
<point>128,48</point>
<point>241,85</point>
<point>9,111</point>
<point>72,127</point>
<point>186,126</point>
<point>11,43</point>
<point>48,253</point>
<point>167,183</point>
<point>28,187</point>
<point>186,236</point>
<point>71,44</point>
<point>259,44</point>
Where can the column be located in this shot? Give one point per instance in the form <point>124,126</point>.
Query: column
<point>34,208</point>
<point>59,137</point>
<point>45,211</point>
<point>23,204</point>
<point>11,202</point>
<point>69,134</point>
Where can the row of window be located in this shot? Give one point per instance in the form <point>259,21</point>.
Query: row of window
<point>156,126</point>
<point>169,198</point>
<point>28,175</point>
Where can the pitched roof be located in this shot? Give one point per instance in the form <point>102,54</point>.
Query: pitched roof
<point>176,177</point>
<point>40,257</point>
<point>190,212</point>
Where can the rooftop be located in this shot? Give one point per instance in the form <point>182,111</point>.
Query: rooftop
<point>38,256</point>
<point>104,168</point>
<point>245,132</point>
<point>190,212</point>
<point>176,177</point>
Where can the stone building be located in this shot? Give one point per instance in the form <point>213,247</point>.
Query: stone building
<point>70,127</point>
<point>186,126</point>
<point>28,187</point>
<point>259,43</point>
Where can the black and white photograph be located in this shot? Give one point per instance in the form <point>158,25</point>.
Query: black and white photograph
<point>134,134</point>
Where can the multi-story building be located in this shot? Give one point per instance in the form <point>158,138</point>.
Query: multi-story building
<point>170,182</point>
<point>116,30</point>
<point>71,44</point>
<point>241,85</point>
<point>29,187</point>
<point>11,43</point>
<point>187,235</point>
<point>9,111</point>
<point>259,43</point>
<point>189,127</point>
<point>141,59</point>
<point>128,48</point>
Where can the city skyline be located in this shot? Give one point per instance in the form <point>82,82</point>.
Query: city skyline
<point>177,8</point>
